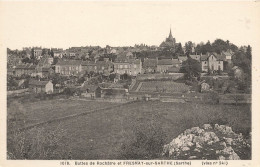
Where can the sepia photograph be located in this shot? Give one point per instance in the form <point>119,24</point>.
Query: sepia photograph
<point>98,80</point>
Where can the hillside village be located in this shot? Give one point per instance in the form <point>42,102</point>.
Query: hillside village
<point>129,83</point>
<point>123,72</point>
<point>118,102</point>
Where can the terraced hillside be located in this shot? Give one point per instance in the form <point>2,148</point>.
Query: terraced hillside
<point>165,86</point>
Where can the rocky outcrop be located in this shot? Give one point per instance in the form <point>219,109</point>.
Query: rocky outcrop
<point>208,142</point>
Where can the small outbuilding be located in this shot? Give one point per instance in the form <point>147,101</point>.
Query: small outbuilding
<point>36,86</point>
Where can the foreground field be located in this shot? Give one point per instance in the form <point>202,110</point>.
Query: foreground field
<point>45,110</point>
<point>106,134</point>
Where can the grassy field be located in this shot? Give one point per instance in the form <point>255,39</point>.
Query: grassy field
<point>103,135</point>
<point>45,110</point>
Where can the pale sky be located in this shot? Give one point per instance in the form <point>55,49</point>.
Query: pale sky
<point>66,24</point>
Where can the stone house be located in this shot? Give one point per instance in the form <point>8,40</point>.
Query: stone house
<point>37,52</point>
<point>212,62</point>
<point>105,67</point>
<point>164,65</point>
<point>24,69</point>
<point>40,86</point>
<point>44,72</point>
<point>58,53</point>
<point>89,66</point>
<point>68,67</point>
<point>149,65</point>
<point>128,66</point>
<point>228,55</point>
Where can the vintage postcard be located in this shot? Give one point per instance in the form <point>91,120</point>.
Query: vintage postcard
<point>129,83</point>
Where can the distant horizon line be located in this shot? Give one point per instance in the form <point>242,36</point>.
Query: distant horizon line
<point>103,46</point>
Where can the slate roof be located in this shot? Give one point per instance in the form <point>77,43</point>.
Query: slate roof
<point>149,63</point>
<point>204,57</point>
<point>218,57</point>
<point>131,61</point>
<point>87,63</point>
<point>165,62</point>
<point>38,83</point>
<point>168,62</point>
<point>104,63</point>
<point>227,53</point>
<point>196,57</point>
<point>25,66</point>
<point>46,69</point>
<point>69,62</point>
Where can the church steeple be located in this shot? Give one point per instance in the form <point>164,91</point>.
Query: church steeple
<point>169,42</point>
<point>170,35</point>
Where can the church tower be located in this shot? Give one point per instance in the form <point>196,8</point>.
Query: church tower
<point>169,42</point>
<point>170,39</point>
<point>170,35</point>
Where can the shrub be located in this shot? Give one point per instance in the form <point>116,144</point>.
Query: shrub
<point>238,98</point>
<point>212,98</point>
<point>147,143</point>
<point>37,143</point>
<point>15,116</point>
<point>69,91</point>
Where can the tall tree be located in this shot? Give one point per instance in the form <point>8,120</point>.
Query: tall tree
<point>233,47</point>
<point>206,48</point>
<point>198,49</point>
<point>188,48</point>
<point>249,52</point>
<point>220,45</point>
<point>179,49</point>
<point>191,68</point>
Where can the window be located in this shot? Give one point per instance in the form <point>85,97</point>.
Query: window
<point>125,66</point>
<point>205,62</point>
<point>121,66</point>
<point>134,66</point>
